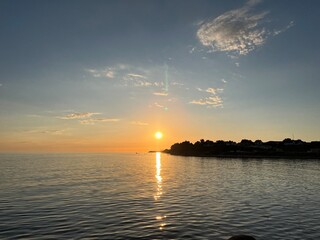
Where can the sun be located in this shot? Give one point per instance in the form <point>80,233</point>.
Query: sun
<point>158,135</point>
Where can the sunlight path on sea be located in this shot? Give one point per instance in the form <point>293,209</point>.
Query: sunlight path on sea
<point>160,217</point>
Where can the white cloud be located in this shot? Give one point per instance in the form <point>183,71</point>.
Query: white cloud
<point>139,123</point>
<point>223,80</point>
<point>78,115</point>
<point>177,84</point>
<point>121,71</point>
<point>134,75</point>
<point>126,75</point>
<point>192,50</point>
<point>158,105</point>
<point>213,101</point>
<point>47,131</point>
<point>85,118</point>
<point>213,91</point>
<point>276,32</point>
<point>94,72</point>
<point>92,121</point>
<point>0,84</point>
<point>140,83</point>
<point>158,84</point>
<point>137,80</point>
<point>172,100</point>
<point>237,31</point>
<point>160,93</point>
<point>154,78</point>
<point>109,72</point>
<point>53,132</point>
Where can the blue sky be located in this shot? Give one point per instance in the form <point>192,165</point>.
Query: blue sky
<point>85,75</point>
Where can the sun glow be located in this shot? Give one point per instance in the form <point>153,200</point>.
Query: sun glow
<point>158,135</point>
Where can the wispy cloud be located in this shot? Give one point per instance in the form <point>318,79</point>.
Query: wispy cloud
<point>160,93</point>
<point>158,84</point>
<point>155,79</point>
<point>158,105</point>
<point>139,123</point>
<point>109,72</point>
<point>47,131</point>
<point>134,75</point>
<point>213,101</point>
<point>92,121</point>
<point>192,49</point>
<point>34,115</point>
<point>140,83</point>
<point>125,74</point>
<point>137,80</point>
<point>276,32</point>
<point>237,31</point>
<point>86,118</point>
<point>211,90</point>
<point>176,84</point>
<point>78,115</point>
<point>53,132</point>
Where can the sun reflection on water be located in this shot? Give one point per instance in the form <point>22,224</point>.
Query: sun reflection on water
<point>158,194</point>
<point>158,176</point>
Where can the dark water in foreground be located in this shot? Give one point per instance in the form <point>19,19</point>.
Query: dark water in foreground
<point>144,196</point>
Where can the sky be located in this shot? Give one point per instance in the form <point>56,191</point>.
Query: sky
<point>104,76</point>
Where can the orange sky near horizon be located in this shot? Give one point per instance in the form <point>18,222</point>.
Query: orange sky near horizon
<point>176,125</point>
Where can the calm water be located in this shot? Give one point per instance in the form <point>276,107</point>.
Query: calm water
<point>150,196</point>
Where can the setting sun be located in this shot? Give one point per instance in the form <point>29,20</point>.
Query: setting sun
<point>158,135</point>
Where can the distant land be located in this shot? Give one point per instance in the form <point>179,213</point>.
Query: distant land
<point>287,148</point>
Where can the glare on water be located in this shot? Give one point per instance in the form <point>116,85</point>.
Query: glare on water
<point>159,188</point>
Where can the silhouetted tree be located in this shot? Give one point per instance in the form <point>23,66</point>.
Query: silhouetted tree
<point>246,142</point>
<point>285,148</point>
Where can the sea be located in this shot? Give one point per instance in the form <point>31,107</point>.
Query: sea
<point>157,196</point>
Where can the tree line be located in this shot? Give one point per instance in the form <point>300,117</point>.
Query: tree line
<point>288,148</point>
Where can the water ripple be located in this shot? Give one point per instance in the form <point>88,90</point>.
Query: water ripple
<point>148,196</point>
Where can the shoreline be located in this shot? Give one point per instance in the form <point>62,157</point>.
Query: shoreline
<point>245,156</point>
